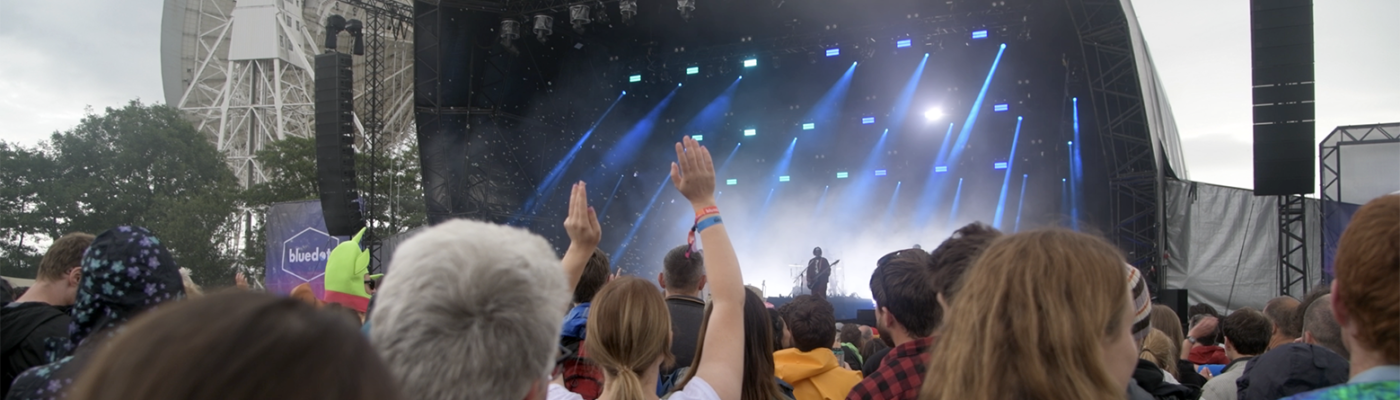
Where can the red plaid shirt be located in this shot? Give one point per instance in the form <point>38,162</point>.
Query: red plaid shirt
<point>900,373</point>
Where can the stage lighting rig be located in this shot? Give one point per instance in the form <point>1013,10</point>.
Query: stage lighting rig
<point>544,26</point>
<point>578,16</point>
<point>356,29</point>
<point>628,8</point>
<point>602,13</point>
<point>686,7</point>
<point>510,31</point>
<point>334,25</point>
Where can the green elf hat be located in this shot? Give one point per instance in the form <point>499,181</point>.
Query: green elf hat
<point>345,274</point>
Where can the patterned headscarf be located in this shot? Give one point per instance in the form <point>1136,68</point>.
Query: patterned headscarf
<point>126,271</point>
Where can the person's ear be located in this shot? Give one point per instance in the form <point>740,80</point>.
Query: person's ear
<point>1228,344</point>
<point>1307,338</point>
<point>702,283</point>
<point>75,275</point>
<point>943,303</point>
<point>661,279</point>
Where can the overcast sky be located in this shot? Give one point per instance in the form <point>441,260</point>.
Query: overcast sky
<point>58,57</point>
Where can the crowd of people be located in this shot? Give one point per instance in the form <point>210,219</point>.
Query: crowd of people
<point>484,311</point>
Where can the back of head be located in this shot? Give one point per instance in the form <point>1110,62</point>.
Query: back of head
<point>1307,300</point>
<point>1201,309</point>
<point>595,274</point>
<point>903,284</point>
<point>776,319</point>
<point>125,272</point>
<point>1166,320</point>
<point>1368,276</point>
<point>472,309</point>
<point>63,255</point>
<point>1280,311</point>
<point>954,255</point>
<point>629,329</point>
<point>1066,287</point>
<point>812,322</point>
<point>1247,330</point>
<point>683,269</point>
<point>1160,350</point>
<point>850,333</point>
<point>1319,322</point>
<point>237,345</point>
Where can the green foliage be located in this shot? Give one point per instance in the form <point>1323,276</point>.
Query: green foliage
<point>147,165</point>
<point>136,165</point>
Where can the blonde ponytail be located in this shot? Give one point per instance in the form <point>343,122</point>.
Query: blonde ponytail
<point>629,330</point>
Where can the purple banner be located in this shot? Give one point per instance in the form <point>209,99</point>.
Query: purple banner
<point>297,246</point>
<point>1335,218</point>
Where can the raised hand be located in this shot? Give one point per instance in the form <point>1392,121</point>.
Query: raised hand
<point>582,222</point>
<point>584,234</point>
<point>693,173</point>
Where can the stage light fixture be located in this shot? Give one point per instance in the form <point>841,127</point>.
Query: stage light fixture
<point>334,24</point>
<point>692,70</point>
<point>1001,107</point>
<point>510,31</point>
<point>903,43</point>
<point>731,182</point>
<point>752,62</point>
<point>1000,165</point>
<point>634,78</point>
<point>628,8</point>
<point>686,7</point>
<point>940,168</point>
<point>544,26</point>
<point>784,178</point>
<point>1071,143</point>
<point>842,175</point>
<point>982,34</point>
<point>578,16</point>
<point>809,126</point>
<point>750,132</point>
<point>867,120</point>
<point>356,29</point>
<point>833,52</point>
<point>880,172</point>
<point>698,138</point>
<point>933,114</point>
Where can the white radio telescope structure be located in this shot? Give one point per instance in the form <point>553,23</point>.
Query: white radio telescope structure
<point>242,72</point>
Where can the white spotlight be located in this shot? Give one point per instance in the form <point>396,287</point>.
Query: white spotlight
<point>933,114</point>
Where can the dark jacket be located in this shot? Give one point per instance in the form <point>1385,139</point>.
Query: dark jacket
<point>1291,369</point>
<point>873,363</point>
<point>686,315</point>
<point>1187,375</point>
<point>1149,381</point>
<point>25,329</point>
<point>125,271</point>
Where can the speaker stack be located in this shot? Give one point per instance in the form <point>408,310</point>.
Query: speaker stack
<point>1282,54</point>
<point>335,140</point>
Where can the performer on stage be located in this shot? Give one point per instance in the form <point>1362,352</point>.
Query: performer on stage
<point>818,273</point>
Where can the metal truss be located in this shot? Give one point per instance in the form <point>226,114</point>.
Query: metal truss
<point>242,106</point>
<point>1136,175</point>
<point>1292,246</point>
<point>1330,159</point>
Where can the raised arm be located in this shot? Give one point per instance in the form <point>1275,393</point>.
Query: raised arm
<point>722,366</point>
<point>584,234</point>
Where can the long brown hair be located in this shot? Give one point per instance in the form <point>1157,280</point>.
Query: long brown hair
<point>1030,321</point>
<point>237,345</point>
<point>758,381</point>
<point>629,328</point>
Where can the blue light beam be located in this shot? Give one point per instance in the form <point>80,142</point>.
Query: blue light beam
<point>546,187</point>
<point>622,249</point>
<point>1006,180</point>
<point>1021,203</point>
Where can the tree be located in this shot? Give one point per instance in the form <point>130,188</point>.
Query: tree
<point>291,167</point>
<point>138,165</point>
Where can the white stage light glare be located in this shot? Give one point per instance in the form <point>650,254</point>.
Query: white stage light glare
<point>933,114</point>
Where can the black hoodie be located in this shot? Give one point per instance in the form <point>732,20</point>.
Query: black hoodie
<point>24,330</point>
<point>1151,381</point>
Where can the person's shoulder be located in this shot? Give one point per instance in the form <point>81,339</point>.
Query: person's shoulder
<point>1383,390</point>
<point>696,389</point>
